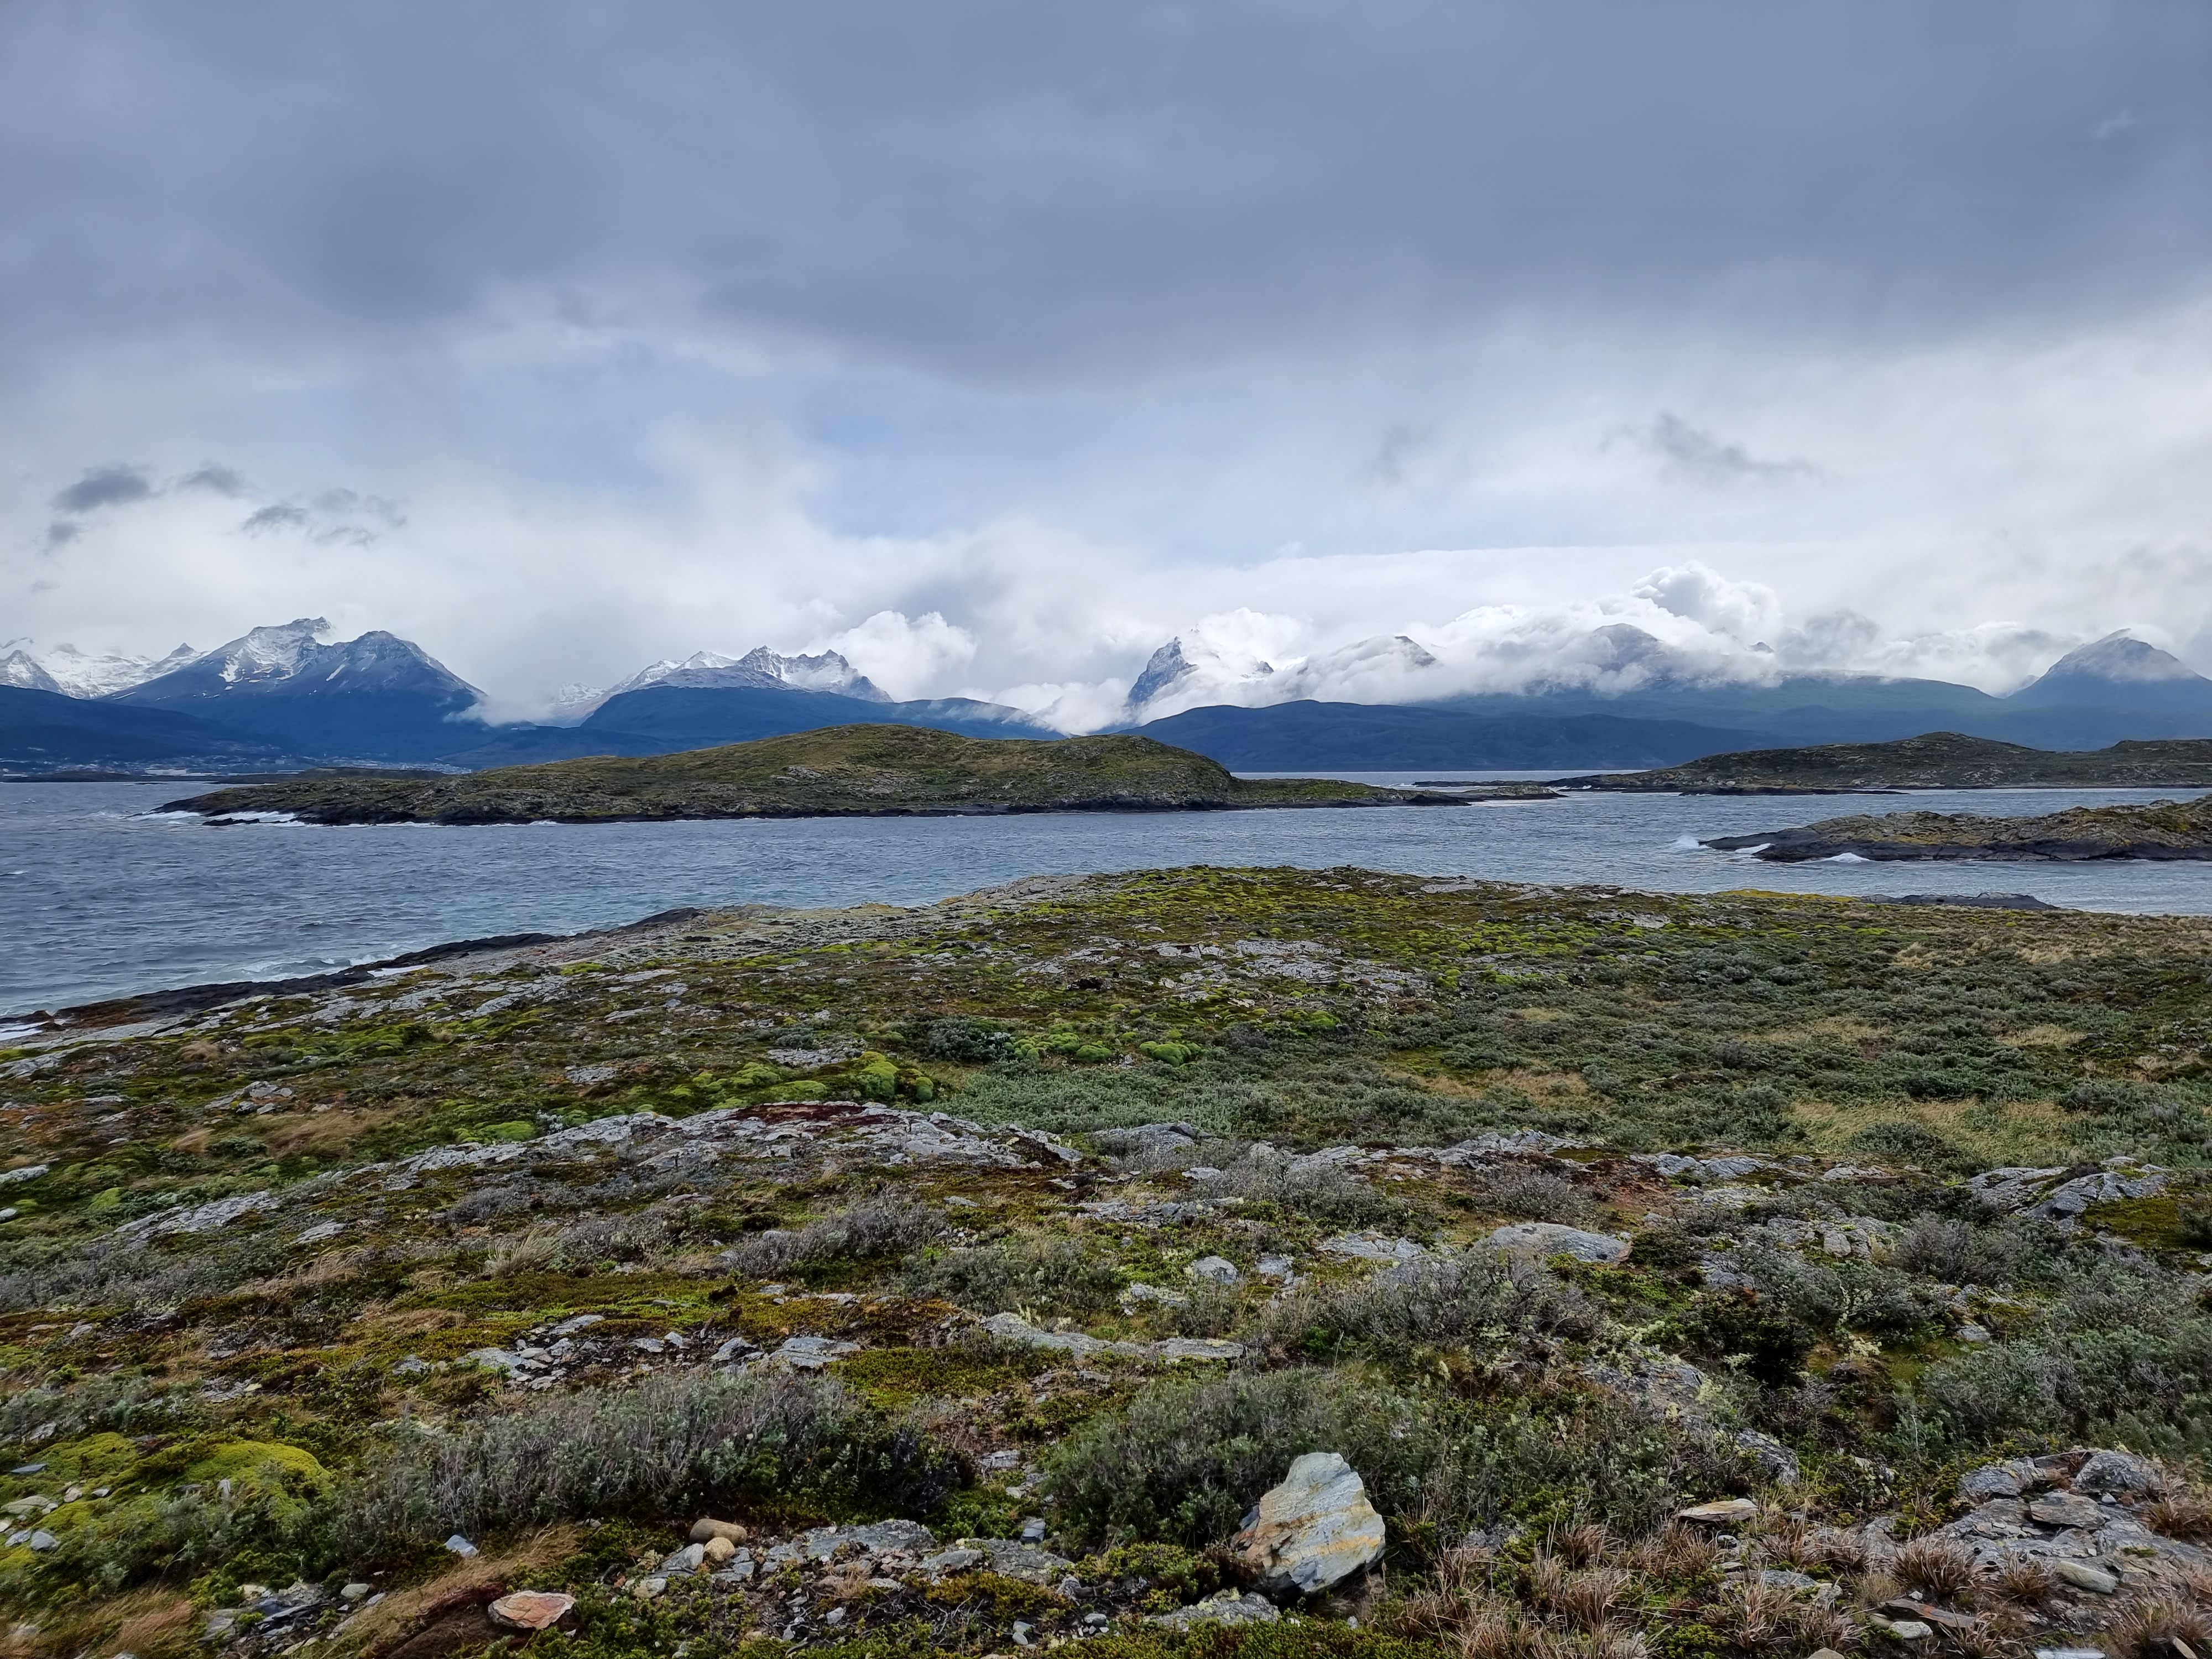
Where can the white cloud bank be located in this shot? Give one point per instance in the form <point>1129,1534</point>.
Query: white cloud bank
<point>992,349</point>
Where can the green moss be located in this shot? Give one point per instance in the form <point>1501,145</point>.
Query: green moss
<point>256,1460</point>
<point>994,1596</point>
<point>2154,1222</point>
<point>896,1377</point>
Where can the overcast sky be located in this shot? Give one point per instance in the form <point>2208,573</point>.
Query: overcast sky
<point>998,342</point>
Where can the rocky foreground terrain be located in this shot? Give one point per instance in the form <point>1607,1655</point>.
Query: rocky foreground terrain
<point>2163,830</point>
<point>1192,1262</point>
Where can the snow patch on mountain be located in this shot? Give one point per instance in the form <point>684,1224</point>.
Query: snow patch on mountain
<point>758,670</point>
<point>76,673</point>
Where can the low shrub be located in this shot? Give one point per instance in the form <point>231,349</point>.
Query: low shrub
<point>1041,1275</point>
<point>1959,1253</point>
<point>1186,1460</point>
<point>1424,1306</point>
<point>674,1444</point>
<point>2115,1347</point>
<point>1531,1195</point>
<point>872,1230</point>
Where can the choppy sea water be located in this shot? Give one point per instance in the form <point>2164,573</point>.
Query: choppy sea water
<point>98,897</point>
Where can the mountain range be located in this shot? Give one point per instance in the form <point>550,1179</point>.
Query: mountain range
<point>278,697</point>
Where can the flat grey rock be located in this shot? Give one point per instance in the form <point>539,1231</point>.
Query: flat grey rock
<point>1552,1239</point>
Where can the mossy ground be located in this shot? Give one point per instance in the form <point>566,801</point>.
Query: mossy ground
<point>213,1397</point>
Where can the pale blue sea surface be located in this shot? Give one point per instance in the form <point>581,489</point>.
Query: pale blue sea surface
<point>99,899</point>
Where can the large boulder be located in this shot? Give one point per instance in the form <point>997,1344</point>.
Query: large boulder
<point>1315,1529</point>
<point>2120,1473</point>
<point>1551,1238</point>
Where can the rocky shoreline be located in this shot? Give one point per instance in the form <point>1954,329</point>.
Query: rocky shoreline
<point>1935,760</point>
<point>2162,832</point>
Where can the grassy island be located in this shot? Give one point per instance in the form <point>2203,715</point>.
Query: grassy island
<point>1692,1276</point>
<point>2163,830</point>
<point>840,771</point>
<point>1936,760</point>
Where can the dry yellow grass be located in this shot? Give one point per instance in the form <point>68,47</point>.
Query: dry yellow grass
<point>149,1624</point>
<point>2043,1036</point>
<point>320,1134</point>
<point>383,1626</point>
<point>2013,1132</point>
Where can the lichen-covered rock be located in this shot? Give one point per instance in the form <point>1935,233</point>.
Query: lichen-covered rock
<point>1989,1481</point>
<point>2120,1473</point>
<point>1315,1529</point>
<point>1373,1247</point>
<point>1553,1238</point>
<point>1226,1608</point>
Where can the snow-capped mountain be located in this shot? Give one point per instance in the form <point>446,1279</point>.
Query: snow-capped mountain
<point>377,696</point>
<point>76,673</point>
<point>21,669</point>
<point>1385,669</point>
<point>758,670</point>
<point>2118,672</point>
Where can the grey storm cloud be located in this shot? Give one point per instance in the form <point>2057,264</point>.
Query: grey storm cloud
<point>1692,453</point>
<point>1063,319</point>
<point>216,479</point>
<point>114,485</point>
<point>277,515</point>
<point>999,189</point>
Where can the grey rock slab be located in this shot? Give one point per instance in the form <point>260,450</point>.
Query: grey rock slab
<point>2083,1576</point>
<point>1990,1480</point>
<point>1373,1247</point>
<point>1027,1562</point>
<point>1176,1349</point>
<point>1553,1238</point>
<point>1012,1328</point>
<point>1314,1530</point>
<point>810,1354</point>
<point>2066,1509</point>
<point>1213,1270</point>
<point>1722,1512</point>
<point>2106,1187</point>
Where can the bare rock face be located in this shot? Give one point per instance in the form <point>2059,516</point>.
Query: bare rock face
<point>1315,1529</point>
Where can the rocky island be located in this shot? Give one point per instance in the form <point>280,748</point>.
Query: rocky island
<point>839,771</point>
<point>2164,830</point>
<point>1936,760</point>
<point>1188,1264</point>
